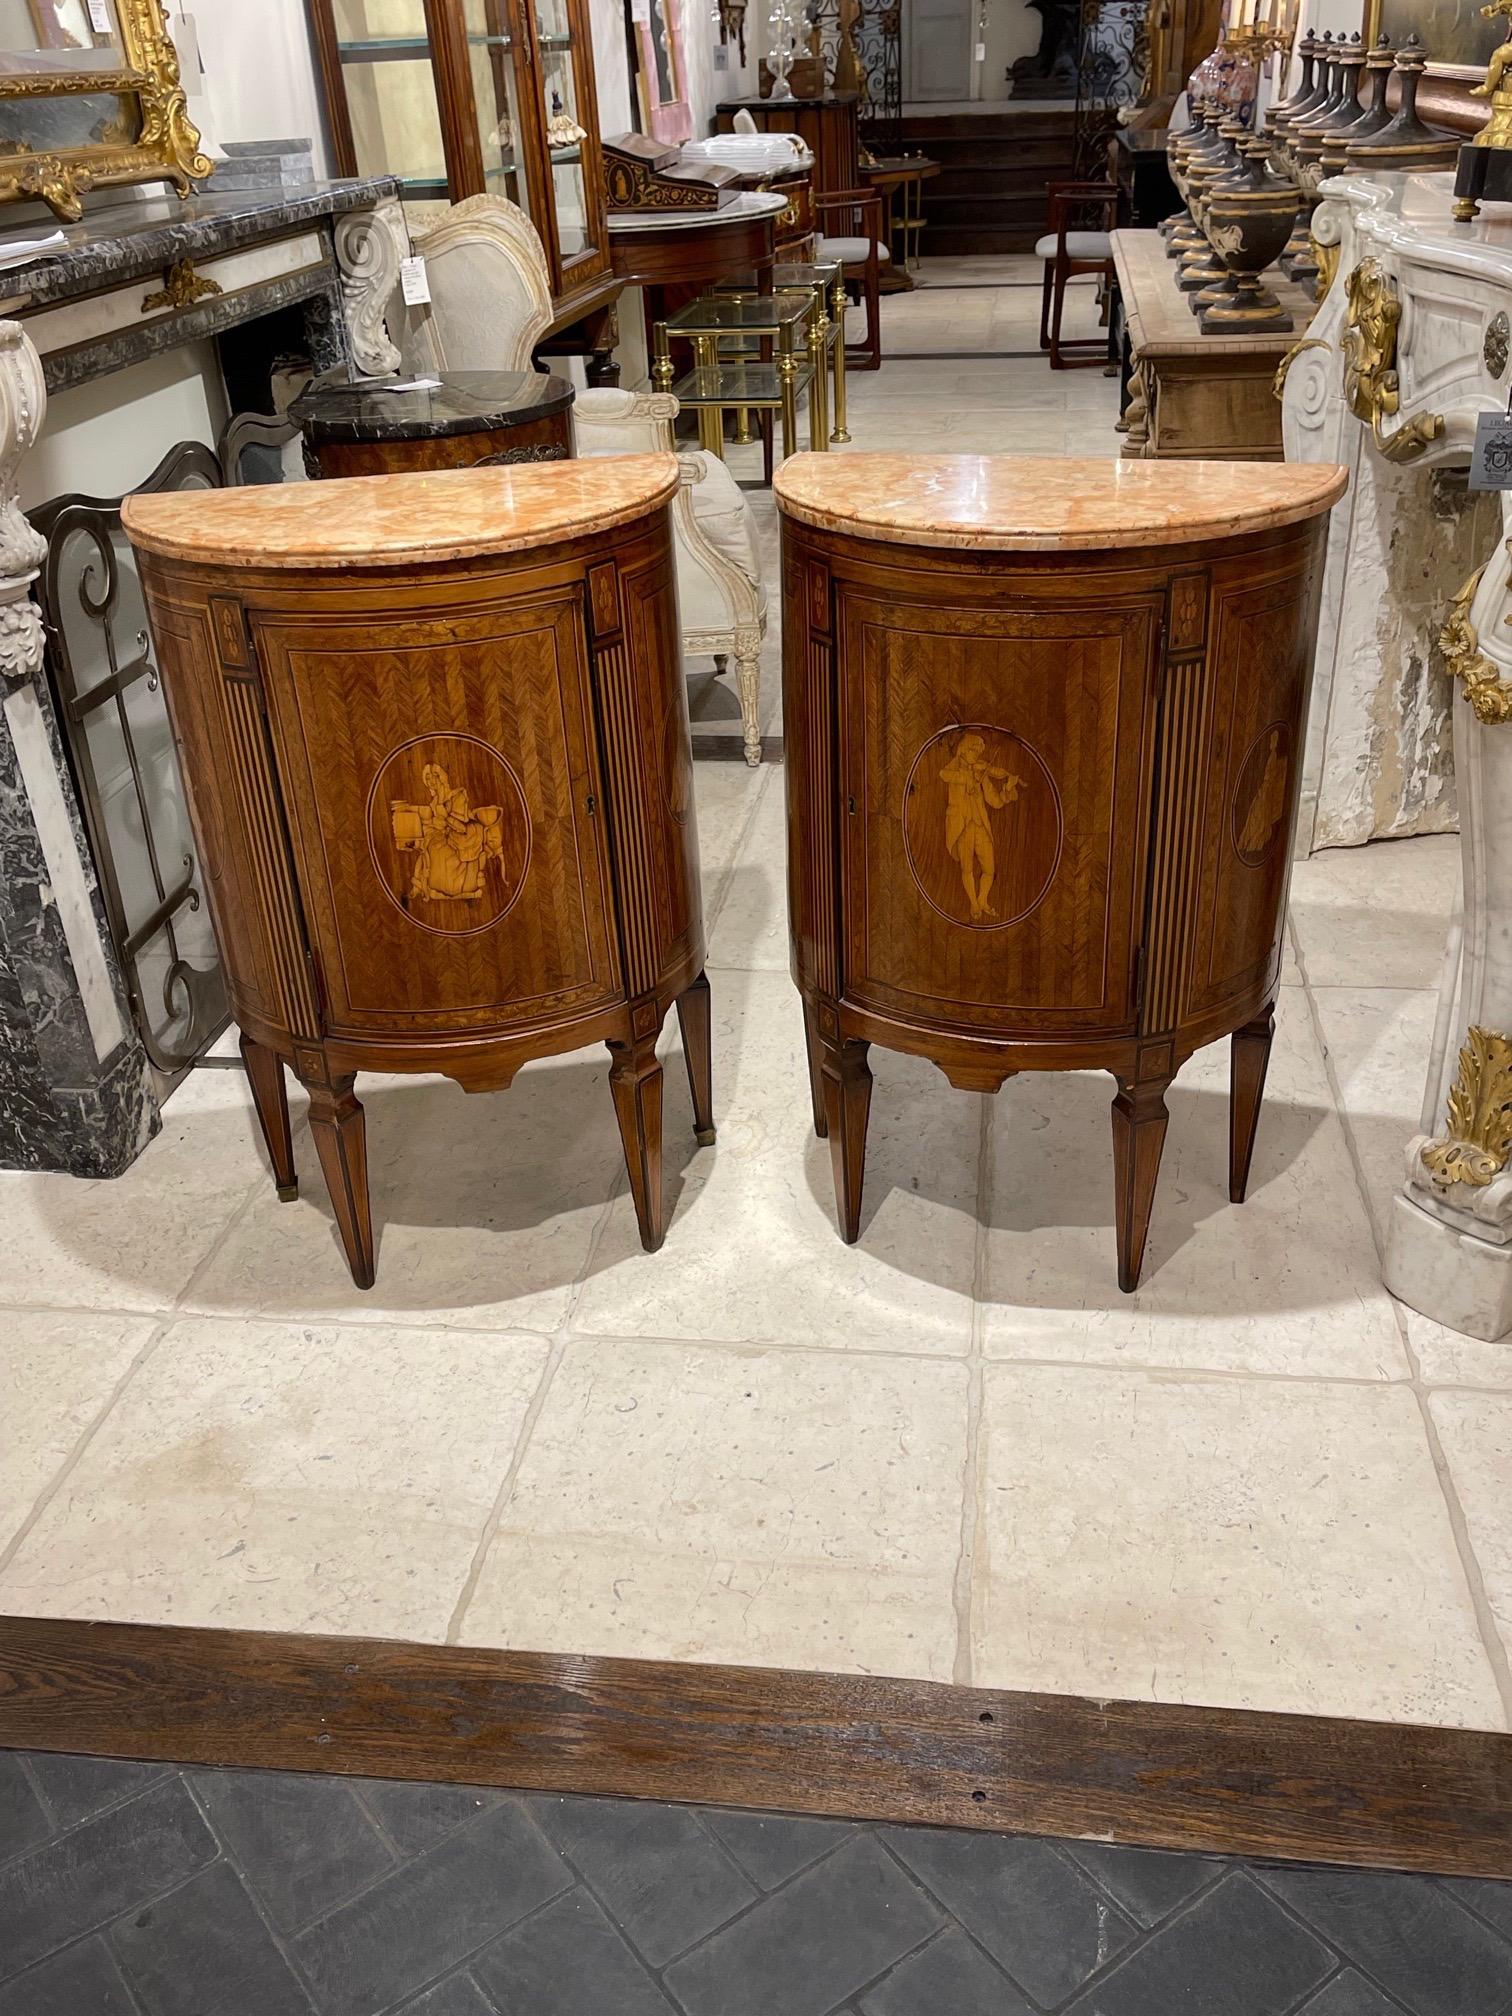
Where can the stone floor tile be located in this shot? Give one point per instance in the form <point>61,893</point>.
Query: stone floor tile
<point>949,1977</point>
<point>1032,1909</point>
<point>1407,1932</point>
<point>771,1847</point>
<point>1376,915</point>
<point>1288,1281</point>
<point>1491,1901</point>
<point>1261,1544</point>
<point>60,1371</point>
<point>1147,1882</point>
<point>1350,1994</point>
<point>751,929</point>
<point>82,1879</point>
<point>484,1207</point>
<point>810,1945</point>
<point>23,1818</point>
<point>431,1914</point>
<point>1448,1358</point>
<point>1234,1951</point>
<point>752,1253</point>
<point>1475,1430</point>
<point>781,1508</point>
<point>83,1980</point>
<point>286,1477</point>
<point>303,1843</point>
<point>726,797</point>
<point>204,1950</point>
<point>457,1995</point>
<point>134,1241</point>
<point>75,1787</point>
<point>567,1960</point>
<point>1377,1040</point>
<point>654,1867</point>
<point>415,1816</point>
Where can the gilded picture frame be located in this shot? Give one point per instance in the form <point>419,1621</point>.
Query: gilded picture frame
<point>94,126</point>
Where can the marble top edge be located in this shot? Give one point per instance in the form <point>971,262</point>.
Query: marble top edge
<point>1028,503</point>
<point>386,521</point>
<point>129,239</point>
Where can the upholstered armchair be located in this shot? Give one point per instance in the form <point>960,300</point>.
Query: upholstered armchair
<point>721,597</point>
<point>490,305</point>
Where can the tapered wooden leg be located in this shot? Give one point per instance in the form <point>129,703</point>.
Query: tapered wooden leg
<point>270,1096</point>
<point>340,1135</point>
<point>1249,1055</point>
<point>1139,1131</point>
<point>815,1049</point>
<point>694,1019</point>
<point>635,1079</point>
<point>847,1105</point>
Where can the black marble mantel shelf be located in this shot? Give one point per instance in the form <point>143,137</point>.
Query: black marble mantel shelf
<point>129,240</point>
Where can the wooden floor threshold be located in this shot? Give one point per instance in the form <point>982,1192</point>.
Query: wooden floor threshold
<point>1294,1787</point>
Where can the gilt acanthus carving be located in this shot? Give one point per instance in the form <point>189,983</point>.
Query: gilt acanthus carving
<point>1371,387</point>
<point>1464,660</point>
<point>1479,1116</point>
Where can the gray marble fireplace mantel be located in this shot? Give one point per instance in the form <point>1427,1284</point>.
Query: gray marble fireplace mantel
<point>137,276</point>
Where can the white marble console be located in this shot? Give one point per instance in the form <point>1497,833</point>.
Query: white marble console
<point>1412,342</point>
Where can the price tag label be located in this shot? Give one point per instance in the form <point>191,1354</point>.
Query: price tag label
<point>640,13</point>
<point>1491,457</point>
<point>100,18</point>
<point>981,52</point>
<point>413,283</point>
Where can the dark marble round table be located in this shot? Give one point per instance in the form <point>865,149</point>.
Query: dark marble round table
<point>470,417</point>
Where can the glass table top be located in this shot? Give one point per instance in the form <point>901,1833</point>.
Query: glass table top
<point>736,385</point>
<point>729,314</point>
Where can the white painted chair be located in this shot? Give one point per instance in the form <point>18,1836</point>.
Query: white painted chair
<point>721,597</point>
<point>490,305</point>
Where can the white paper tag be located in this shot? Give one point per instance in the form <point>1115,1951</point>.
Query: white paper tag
<point>1491,457</point>
<point>100,18</point>
<point>640,13</point>
<point>981,52</point>
<point>412,281</point>
<point>407,385</point>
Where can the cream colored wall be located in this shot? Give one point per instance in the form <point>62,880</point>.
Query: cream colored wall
<point>1013,30</point>
<point>106,437</point>
<point>260,80</point>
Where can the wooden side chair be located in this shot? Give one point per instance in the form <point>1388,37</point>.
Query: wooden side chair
<point>1080,240</point>
<point>850,231</point>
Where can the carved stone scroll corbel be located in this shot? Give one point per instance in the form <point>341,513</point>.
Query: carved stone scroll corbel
<point>23,402</point>
<point>369,247</point>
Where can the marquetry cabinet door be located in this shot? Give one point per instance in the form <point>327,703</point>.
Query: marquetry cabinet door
<point>993,788</point>
<point>446,812</point>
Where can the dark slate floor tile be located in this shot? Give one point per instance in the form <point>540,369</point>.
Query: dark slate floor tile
<point>431,1914</point>
<point>1038,1916</point>
<point>305,1844</point>
<point>1492,1900</point>
<point>416,1817</point>
<point>84,1980</point>
<point>661,1876</point>
<point>81,1880</point>
<point>1235,1951</point>
<point>1148,1882</point>
<point>75,1787</point>
<point>771,1847</point>
<point>457,1995</point>
<point>1407,1932</point>
<point>809,1946</point>
<point>567,1960</point>
<point>204,1951</point>
<point>1350,1994</point>
<point>950,1975</point>
<point>23,1819</point>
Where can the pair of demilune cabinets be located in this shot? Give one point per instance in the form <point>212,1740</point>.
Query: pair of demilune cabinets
<point>1041,728</point>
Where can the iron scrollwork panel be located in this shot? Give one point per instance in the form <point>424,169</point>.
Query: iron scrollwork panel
<point>1113,70</point>
<point>120,748</point>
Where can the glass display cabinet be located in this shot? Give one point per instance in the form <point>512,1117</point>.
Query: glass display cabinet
<point>463,97</point>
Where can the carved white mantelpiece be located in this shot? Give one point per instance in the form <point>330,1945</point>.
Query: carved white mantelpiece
<point>1406,659</point>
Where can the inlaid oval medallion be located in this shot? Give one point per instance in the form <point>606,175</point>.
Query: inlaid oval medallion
<point>1260,800</point>
<point>677,758</point>
<point>982,825</point>
<point>449,833</point>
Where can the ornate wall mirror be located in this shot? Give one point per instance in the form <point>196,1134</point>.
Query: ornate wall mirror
<point>90,95</point>
<point>660,74</point>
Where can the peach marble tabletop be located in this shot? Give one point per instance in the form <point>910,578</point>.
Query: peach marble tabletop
<point>443,514</point>
<point>1029,503</point>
